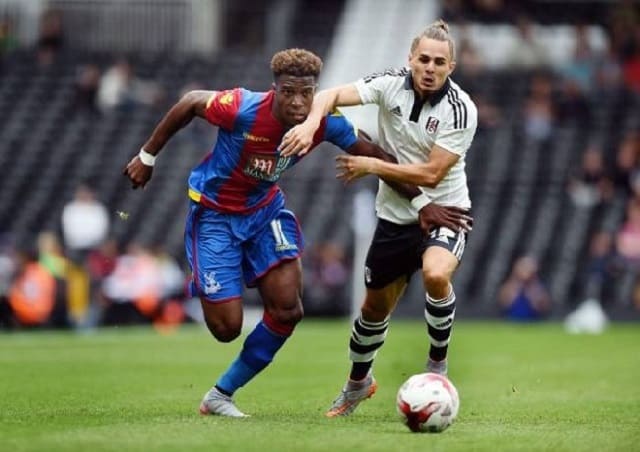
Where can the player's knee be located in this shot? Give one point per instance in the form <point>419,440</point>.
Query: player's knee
<point>225,334</point>
<point>224,331</point>
<point>288,315</point>
<point>374,312</point>
<point>435,279</point>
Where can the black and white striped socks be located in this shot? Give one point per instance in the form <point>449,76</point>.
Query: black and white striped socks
<point>439,316</point>
<point>366,338</point>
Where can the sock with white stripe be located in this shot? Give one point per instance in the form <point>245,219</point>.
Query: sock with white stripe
<point>439,316</point>
<point>366,338</point>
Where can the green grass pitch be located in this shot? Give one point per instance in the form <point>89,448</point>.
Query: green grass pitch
<point>522,387</point>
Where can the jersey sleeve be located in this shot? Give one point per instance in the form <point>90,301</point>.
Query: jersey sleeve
<point>372,88</point>
<point>459,129</point>
<point>222,108</point>
<point>339,130</point>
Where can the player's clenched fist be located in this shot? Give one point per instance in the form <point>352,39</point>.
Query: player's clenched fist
<point>137,172</point>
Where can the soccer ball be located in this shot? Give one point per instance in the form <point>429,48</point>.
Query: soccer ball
<point>428,403</point>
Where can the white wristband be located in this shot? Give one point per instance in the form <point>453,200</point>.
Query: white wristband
<point>146,158</point>
<point>420,201</point>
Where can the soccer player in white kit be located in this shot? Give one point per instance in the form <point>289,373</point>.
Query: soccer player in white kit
<point>427,122</point>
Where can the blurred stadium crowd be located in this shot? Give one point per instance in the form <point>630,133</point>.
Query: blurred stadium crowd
<point>554,170</point>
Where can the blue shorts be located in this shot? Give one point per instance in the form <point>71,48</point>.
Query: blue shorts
<point>223,249</point>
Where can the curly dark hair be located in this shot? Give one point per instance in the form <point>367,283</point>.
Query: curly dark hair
<point>296,62</point>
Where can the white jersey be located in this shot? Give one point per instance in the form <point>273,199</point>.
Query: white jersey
<point>408,130</point>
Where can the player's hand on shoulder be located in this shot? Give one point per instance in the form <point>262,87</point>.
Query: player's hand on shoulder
<point>298,140</point>
<point>137,172</point>
<point>454,218</point>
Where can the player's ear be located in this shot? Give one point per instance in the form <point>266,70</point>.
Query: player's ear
<point>273,85</point>
<point>452,66</point>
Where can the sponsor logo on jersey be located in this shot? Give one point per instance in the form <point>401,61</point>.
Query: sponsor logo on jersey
<point>396,111</point>
<point>250,137</point>
<point>432,125</point>
<point>266,167</point>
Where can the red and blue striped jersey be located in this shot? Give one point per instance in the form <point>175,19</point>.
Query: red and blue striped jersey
<point>240,173</point>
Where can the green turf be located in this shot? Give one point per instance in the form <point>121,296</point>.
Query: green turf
<point>521,388</point>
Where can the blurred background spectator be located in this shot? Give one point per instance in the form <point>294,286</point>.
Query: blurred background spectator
<point>526,52</point>
<point>627,164</point>
<point>598,282</point>
<point>86,89</point>
<point>8,41</point>
<point>51,37</point>
<point>589,184</point>
<point>523,297</point>
<point>120,88</point>
<point>131,292</point>
<point>52,259</point>
<point>7,269</point>
<point>101,262</point>
<point>327,277</point>
<point>32,294</point>
<point>628,251</point>
<point>580,69</point>
<point>85,224</point>
<point>539,111</point>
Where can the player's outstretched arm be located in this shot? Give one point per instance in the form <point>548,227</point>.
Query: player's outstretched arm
<point>298,140</point>
<point>140,168</point>
<point>428,174</point>
<point>431,215</point>
<point>455,218</point>
<point>366,148</point>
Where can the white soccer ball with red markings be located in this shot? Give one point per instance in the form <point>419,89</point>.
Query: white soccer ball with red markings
<point>428,403</point>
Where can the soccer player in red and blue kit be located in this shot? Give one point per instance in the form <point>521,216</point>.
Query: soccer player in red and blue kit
<point>238,230</point>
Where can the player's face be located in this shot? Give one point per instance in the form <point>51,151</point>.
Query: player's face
<point>430,64</point>
<point>294,96</point>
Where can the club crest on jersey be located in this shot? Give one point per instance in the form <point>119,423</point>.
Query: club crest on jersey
<point>211,286</point>
<point>432,125</point>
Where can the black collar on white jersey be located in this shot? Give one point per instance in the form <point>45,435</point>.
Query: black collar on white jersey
<point>435,97</point>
